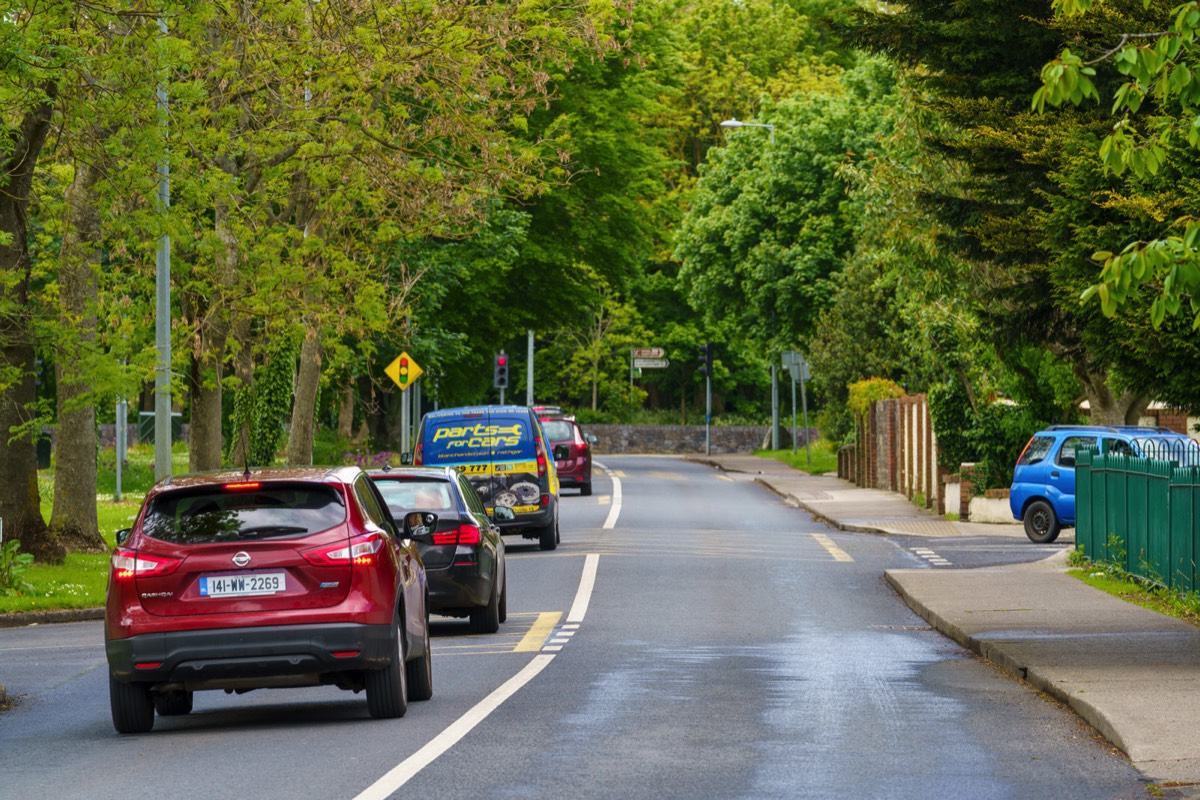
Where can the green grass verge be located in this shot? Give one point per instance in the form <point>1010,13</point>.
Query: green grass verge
<point>1184,606</point>
<point>80,581</point>
<point>824,457</point>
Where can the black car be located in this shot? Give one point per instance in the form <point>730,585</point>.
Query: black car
<point>464,552</point>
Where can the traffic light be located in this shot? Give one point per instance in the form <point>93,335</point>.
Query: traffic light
<point>705,359</point>
<point>500,375</point>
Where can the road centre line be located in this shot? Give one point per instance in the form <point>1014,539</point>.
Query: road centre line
<point>407,769</point>
<point>539,632</point>
<point>838,553</point>
<point>615,511</point>
<point>586,583</point>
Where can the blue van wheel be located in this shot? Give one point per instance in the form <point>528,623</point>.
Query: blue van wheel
<point>1041,523</point>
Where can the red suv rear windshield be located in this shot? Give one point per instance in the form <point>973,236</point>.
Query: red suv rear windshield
<point>220,514</point>
<point>558,430</point>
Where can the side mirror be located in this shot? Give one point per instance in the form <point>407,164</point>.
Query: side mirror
<point>591,439</point>
<point>406,458</point>
<point>562,452</point>
<point>503,514</point>
<point>419,523</point>
<point>123,534</point>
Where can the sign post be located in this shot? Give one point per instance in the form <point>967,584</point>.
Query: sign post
<point>404,372</point>
<point>793,361</point>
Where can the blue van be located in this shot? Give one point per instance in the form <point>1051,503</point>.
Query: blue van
<point>502,452</point>
<point>1042,495</point>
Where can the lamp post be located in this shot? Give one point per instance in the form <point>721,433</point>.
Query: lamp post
<point>737,123</point>
<point>734,122</point>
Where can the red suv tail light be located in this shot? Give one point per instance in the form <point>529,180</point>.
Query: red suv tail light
<point>463,534</point>
<point>127,564</point>
<point>361,551</point>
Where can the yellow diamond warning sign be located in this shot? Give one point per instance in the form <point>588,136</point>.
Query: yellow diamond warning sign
<point>404,371</point>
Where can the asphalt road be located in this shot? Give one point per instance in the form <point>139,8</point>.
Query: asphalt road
<point>692,637</point>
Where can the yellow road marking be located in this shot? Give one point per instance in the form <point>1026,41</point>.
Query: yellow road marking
<point>619,473</point>
<point>543,626</point>
<point>605,499</point>
<point>838,553</point>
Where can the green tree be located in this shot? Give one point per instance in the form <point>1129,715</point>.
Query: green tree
<point>1156,102</point>
<point>771,221</point>
<point>1013,172</point>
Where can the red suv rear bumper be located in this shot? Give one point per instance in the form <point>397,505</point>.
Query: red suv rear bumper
<point>244,657</point>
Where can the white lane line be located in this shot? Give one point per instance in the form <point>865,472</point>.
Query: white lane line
<point>586,584</point>
<point>615,511</point>
<point>407,769</point>
<point>931,556</point>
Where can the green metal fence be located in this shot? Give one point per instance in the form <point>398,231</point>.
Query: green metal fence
<point>1140,512</point>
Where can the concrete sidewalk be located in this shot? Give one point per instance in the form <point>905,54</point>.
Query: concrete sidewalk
<point>1133,674</point>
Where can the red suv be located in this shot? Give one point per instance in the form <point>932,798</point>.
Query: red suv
<point>576,468</point>
<point>287,577</point>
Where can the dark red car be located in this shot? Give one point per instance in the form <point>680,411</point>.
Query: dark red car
<point>276,578</point>
<point>576,469</point>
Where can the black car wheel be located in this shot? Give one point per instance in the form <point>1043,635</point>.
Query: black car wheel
<point>1041,523</point>
<point>420,673</point>
<point>486,619</point>
<point>387,688</point>
<point>585,488</point>
<point>173,704</point>
<point>504,599</point>
<point>132,709</point>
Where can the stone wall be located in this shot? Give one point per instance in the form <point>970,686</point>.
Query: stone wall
<point>676,438</point>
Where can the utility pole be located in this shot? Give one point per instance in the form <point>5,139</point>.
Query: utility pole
<point>529,371</point>
<point>162,300</point>
<point>774,408</point>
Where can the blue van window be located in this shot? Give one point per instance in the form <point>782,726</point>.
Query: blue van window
<point>1066,454</point>
<point>1037,449</point>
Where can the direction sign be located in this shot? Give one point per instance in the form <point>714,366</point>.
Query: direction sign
<point>649,352</point>
<point>404,371</point>
<point>791,357</point>
<point>651,363</point>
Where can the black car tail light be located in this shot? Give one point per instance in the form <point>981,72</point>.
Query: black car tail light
<point>463,534</point>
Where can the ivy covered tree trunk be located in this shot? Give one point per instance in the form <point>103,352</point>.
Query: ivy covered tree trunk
<point>345,419</point>
<point>20,502</point>
<point>208,356</point>
<point>304,401</point>
<point>73,519</point>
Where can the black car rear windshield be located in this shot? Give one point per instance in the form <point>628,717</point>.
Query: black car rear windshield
<point>220,514</point>
<point>416,494</point>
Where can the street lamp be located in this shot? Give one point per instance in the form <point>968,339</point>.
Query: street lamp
<point>734,122</point>
<point>737,123</point>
